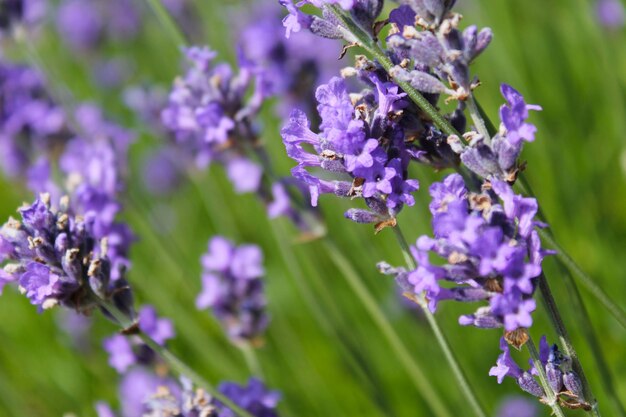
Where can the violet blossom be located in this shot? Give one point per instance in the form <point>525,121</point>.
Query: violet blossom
<point>232,287</point>
<point>561,378</point>
<point>55,258</point>
<point>360,143</point>
<point>492,251</point>
<point>125,352</point>
<point>498,158</point>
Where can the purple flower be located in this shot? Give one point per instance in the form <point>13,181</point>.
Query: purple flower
<point>158,329</point>
<point>232,287</point>
<point>611,13</point>
<point>244,174</point>
<point>254,398</point>
<point>57,259</point>
<point>121,355</point>
<point>517,406</point>
<point>350,144</point>
<point>505,366</point>
<point>492,253</point>
<point>31,124</point>
<point>514,115</point>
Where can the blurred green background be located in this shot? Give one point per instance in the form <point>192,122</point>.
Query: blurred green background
<point>331,360</point>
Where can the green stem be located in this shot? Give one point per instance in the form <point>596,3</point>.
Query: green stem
<point>422,383</point>
<point>559,326</point>
<point>252,360</point>
<point>543,379</point>
<point>479,122</point>
<point>168,22</point>
<point>176,364</point>
<point>459,374</point>
<point>585,279</point>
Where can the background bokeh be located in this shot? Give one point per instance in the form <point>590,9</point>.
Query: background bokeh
<point>554,52</point>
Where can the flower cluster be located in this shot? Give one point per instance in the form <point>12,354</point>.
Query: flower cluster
<point>563,381</point>
<point>232,287</point>
<point>361,141</point>
<point>492,251</point>
<point>31,124</point>
<point>151,396</point>
<point>293,67</point>
<point>440,51</point>
<point>125,352</point>
<point>498,158</point>
<point>13,12</point>
<point>210,115</point>
<point>56,258</point>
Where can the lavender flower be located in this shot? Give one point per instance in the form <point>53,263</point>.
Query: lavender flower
<point>14,12</point>
<point>611,13</point>
<point>359,141</point>
<point>125,352</point>
<point>563,381</point>
<point>86,24</point>
<point>493,253</point>
<point>56,258</point>
<point>441,52</point>
<point>293,67</point>
<point>232,287</point>
<point>517,406</point>
<point>209,114</point>
<point>254,398</point>
<point>499,159</point>
<point>31,124</point>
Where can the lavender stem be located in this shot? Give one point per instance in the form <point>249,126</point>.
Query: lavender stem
<point>479,122</point>
<point>249,354</point>
<point>441,339</point>
<point>543,379</point>
<point>417,375</point>
<point>179,366</point>
<point>168,22</point>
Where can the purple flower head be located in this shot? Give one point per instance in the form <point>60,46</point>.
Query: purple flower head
<point>139,386</point>
<point>253,397</point>
<point>232,287</point>
<point>31,124</point>
<point>610,13</point>
<point>490,253</point>
<point>210,113</point>
<point>356,145</point>
<point>57,259</point>
<point>86,24</point>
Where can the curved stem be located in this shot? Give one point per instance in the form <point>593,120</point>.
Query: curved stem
<point>422,383</point>
<point>585,279</point>
<point>543,379</point>
<point>176,364</point>
<point>168,22</point>
<point>252,360</point>
<point>460,376</point>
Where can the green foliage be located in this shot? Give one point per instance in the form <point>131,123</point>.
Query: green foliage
<point>322,349</point>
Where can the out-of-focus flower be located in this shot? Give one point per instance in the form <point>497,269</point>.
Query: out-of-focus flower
<point>232,287</point>
<point>611,13</point>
